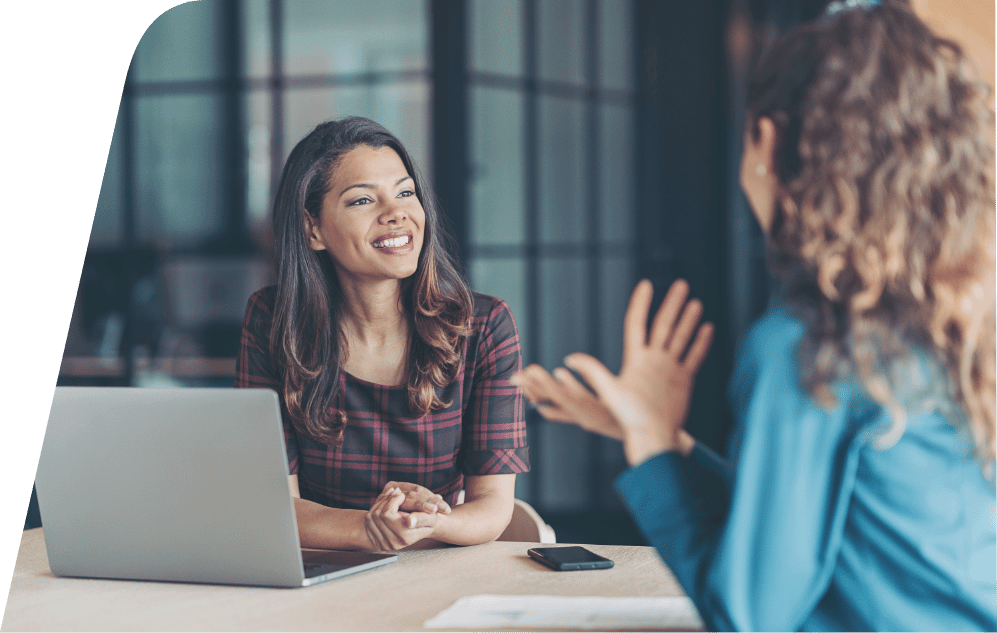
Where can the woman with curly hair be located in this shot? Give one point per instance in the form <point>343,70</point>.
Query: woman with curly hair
<point>393,376</point>
<point>860,493</point>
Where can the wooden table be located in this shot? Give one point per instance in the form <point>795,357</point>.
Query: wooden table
<point>397,597</point>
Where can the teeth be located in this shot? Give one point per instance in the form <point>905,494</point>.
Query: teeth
<point>392,242</point>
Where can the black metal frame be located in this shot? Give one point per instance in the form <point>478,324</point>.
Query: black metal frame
<point>532,251</point>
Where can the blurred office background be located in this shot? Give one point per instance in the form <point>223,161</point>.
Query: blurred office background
<point>576,146</point>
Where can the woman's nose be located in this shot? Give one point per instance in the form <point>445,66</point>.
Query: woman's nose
<point>394,212</point>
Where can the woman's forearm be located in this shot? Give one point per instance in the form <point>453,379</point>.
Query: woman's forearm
<point>484,515</point>
<point>322,527</point>
<point>477,521</point>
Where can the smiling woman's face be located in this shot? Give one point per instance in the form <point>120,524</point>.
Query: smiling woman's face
<point>371,221</point>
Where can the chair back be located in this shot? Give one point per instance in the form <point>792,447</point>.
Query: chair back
<point>527,526</point>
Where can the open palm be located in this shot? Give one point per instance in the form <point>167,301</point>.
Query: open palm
<point>647,403</point>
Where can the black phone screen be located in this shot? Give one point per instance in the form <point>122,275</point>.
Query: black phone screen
<point>569,558</point>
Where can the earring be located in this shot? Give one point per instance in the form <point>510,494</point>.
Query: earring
<point>761,169</point>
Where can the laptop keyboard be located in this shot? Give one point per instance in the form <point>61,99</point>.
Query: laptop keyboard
<point>318,569</point>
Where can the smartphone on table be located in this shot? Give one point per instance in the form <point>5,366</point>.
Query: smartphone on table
<point>569,558</point>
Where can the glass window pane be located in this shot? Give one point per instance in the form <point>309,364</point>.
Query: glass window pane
<point>616,282</point>
<point>108,217</point>
<point>305,108</point>
<point>616,150</point>
<point>563,214</point>
<point>178,147</point>
<point>401,107</point>
<point>495,40</point>
<point>505,279</point>
<point>561,29</point>
<point>564,309</point>
<point>322,37</point>
<point>258,130</point>
<point>256,38</point>
<point>182,44</point>
<point>565,468</point>
<point>616,64</point>
<point>497,159</point>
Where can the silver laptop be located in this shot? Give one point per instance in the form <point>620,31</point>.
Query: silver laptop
<point>186,485</point>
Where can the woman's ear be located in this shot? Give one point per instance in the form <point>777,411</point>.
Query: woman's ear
<point>315,240</point>
<point>758,178</point>
<point>759,146</point>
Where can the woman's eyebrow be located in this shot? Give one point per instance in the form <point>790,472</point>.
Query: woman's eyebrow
<point>367,185</point>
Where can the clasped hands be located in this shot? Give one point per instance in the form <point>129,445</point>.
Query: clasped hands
<point>402,515</point>
<point>646,405</point>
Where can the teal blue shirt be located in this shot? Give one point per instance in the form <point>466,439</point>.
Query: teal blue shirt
<point>812,525</point>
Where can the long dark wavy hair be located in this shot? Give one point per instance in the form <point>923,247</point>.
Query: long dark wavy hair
<point>306,338</point>
<point>884,226</point>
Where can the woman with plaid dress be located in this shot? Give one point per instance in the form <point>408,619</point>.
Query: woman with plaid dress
<point>392,374</point>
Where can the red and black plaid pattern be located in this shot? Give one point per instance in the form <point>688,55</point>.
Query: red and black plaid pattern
<point>483,432</point>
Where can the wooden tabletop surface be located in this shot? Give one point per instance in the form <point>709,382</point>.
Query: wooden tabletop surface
<point>400,596</point>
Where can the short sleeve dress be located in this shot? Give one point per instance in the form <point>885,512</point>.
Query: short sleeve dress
<point>482,432</point>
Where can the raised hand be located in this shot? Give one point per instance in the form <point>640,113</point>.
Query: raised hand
<point>650,397</point>
<point>646,405</point>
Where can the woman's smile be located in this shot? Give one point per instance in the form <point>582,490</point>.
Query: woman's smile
<point>394,243</point>
<point>371,211</point>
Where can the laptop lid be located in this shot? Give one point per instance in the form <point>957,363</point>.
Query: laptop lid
<point>185,485</point>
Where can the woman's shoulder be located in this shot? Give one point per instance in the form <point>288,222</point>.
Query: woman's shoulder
<point>492,316</point>
<point>774,336</point>
<point>487,308</point>
<point>767,362</point>
<point>261,304</point>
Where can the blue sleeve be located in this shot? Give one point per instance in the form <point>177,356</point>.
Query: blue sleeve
<point>764,560</point>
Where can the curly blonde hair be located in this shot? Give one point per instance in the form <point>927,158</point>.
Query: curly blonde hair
<point>884,226</point>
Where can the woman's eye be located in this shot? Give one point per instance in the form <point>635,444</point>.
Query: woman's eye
<point>359,202</point>
<point>406,193</point>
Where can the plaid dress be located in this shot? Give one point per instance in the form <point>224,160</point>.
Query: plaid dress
<point>482,432</point>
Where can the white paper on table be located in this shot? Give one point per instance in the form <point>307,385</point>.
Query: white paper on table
<point>559,612</point>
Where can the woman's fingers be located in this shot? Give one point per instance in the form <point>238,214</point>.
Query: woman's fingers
<point>572,388</point>
<point>526,384</point>
<point>394,502</point>
<point>592,371</point>
<point>552,413</point>
<point>587,410</point>
<point>390,528</point>
<point>418,520</point>
<point>419,501</point>
<point>700,346</point>
<point>685,328</point>
<point>543,391</point>
<point>419,498</point>
<point>664,321</point>
<point>374,522</point>
<point>392,522</point>
<point>635,320</point>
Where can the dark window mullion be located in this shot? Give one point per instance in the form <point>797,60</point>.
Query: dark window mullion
<point>596,471</point>
<point>450,119</point>
<point>234,167</point>
<point>532,220</point>
<point>276,93</point>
